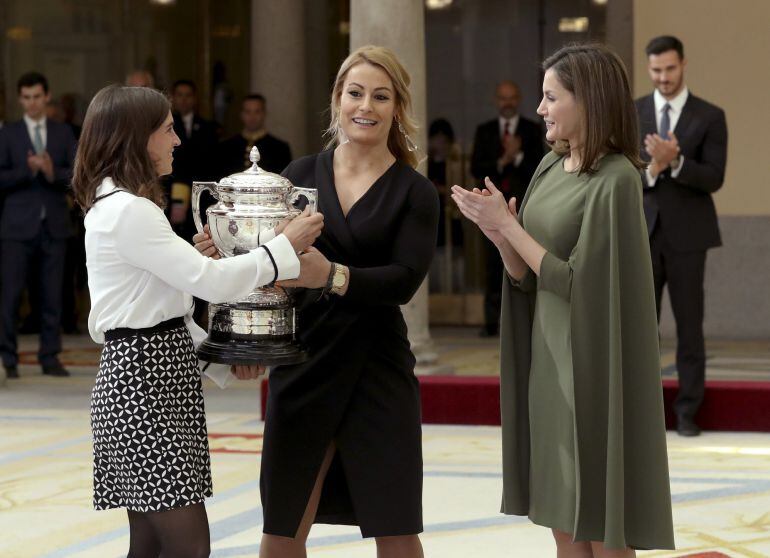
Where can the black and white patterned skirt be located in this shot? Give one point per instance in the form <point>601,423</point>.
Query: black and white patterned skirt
<point>151,449</point>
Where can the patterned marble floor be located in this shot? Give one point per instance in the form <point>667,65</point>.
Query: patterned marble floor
<point>468,355</point>
<point>720,481</point>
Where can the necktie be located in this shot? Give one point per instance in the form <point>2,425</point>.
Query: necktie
<point>665,121</point>
<point>506,136</point>
<point>505,182</point>
<point>37,141</point>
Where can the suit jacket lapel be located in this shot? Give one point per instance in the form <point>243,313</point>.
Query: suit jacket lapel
<point>23,133</point>
<point>685,119</point>
<point>519,131</point>
<point>495,137</point>
<point>50,137</point>
<point>648,122</point>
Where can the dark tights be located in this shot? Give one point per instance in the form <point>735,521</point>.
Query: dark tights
<point>178,533</point>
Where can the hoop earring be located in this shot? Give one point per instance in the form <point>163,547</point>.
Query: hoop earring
<point>410,145</point>
<point>341,137</point>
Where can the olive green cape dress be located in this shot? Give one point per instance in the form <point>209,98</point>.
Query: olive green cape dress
<point>584,446</point>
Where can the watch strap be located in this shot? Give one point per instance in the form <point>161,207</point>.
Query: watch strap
<point>329,280</point>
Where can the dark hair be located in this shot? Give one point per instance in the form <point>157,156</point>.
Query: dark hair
<point>188,82</point>
<point>30,79</point>
<point>118,124</point>
<point>443,127</point>
<point>664,43</point>
<point>597,78</point>
<point>255,97</point>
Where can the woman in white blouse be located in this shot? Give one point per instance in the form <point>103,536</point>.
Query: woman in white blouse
<point>147,417</point>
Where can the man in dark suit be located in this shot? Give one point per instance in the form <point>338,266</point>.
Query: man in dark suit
<point>36,157</point>
<point>507,150</point>
<point>275,154</point>
<point>685,140</point>
<point>194,158</point>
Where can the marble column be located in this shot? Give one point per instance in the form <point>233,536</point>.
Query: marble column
<point>400,26</point>
<point>278,68</point>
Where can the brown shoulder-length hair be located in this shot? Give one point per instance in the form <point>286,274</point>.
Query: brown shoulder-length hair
<point>113,143</point>
<point>386,60</point>
<point>597,78</point>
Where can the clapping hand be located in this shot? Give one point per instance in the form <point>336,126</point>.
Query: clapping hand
<point>40,163</point>
<point>662,151</point>
<point>496,237</point>
<point>511,148</point>
<point>488,209</point>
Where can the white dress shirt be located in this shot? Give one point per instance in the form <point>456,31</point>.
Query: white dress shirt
<point>676,104</point>
<point>187,120</point>
<point>512,125</point>
<point>31,125</point>
<point>140,273</point>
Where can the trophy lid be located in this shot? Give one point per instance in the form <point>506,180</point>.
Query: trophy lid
<point>255,179</point>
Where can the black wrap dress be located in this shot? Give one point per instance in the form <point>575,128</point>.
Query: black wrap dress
<point>358,389</point>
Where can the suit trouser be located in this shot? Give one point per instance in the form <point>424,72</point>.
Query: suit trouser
<point>493,291</point>
<point>17,255</point>
<point>683,272</point>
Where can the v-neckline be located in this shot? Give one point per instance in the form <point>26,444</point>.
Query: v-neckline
<point>362,196</point>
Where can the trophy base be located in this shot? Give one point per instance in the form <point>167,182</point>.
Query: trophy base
<point>265,353</point>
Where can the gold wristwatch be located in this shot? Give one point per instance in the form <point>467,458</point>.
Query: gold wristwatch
<point>339,279</point>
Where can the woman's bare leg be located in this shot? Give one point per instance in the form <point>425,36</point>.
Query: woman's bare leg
<point>404,546</point>
<point>601,552</point>
<point>274,546</point>
<point>567,548</point>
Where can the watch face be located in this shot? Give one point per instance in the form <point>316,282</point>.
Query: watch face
<point>339,279</point>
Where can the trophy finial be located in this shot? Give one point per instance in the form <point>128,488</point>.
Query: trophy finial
<point>254,155</point>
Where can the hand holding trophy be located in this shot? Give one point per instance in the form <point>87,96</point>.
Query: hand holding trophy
<point>253,207</point>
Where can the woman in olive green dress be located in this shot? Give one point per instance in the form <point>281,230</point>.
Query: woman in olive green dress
<point>584,448</point>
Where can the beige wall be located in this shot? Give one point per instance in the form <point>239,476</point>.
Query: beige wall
<point>727,47</point>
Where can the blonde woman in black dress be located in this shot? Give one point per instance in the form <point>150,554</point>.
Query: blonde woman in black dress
<point>342,440</point>
<point>149,428</point>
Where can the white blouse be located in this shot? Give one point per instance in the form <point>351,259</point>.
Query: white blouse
<point>140,273</point>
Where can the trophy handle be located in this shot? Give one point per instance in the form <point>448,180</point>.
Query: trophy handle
<point>311,195</point>
<point>197,188</point>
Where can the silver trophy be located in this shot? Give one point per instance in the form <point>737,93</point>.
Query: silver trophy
<point>260,328</point>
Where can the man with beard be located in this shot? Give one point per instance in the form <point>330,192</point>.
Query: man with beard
<point>507,150</point>
<point>685,140</point>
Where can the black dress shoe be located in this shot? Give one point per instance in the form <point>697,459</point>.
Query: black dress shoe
<point>11,372</point>
<point>55,370</point>
<point>687,427</point>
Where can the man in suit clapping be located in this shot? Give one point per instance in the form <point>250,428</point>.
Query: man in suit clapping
<point>36,157</point>
<point>507,150</point>
<point>685,140</point>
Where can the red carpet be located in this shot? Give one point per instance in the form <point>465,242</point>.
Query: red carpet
<point>740,406</point>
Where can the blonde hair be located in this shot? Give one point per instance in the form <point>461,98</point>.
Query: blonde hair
<point>385,59</point>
